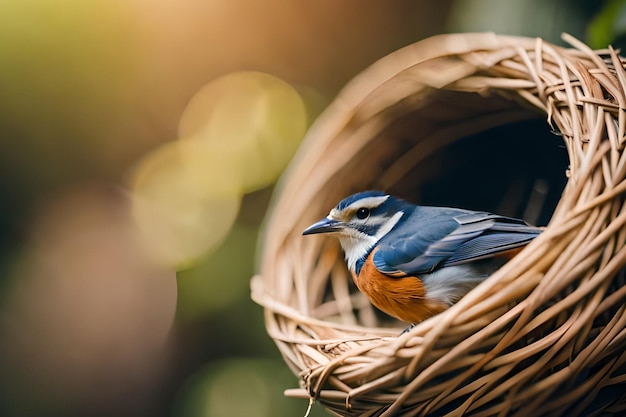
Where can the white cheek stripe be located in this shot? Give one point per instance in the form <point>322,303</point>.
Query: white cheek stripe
<point>356,244</point>
<point>389,224</point>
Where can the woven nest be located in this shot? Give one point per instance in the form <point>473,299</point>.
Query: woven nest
<point>461,120</point>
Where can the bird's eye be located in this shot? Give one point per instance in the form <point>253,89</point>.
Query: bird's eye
<point>362,213</point>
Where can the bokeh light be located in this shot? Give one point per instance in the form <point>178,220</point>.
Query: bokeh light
<point>237,134</point>
<point>238,387</point>
<point>182,211</point>
<point>253,119</point>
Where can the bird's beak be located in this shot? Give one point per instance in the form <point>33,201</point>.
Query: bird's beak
<point>324,226</point>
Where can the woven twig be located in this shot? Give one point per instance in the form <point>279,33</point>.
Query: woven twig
<point>543,336</point>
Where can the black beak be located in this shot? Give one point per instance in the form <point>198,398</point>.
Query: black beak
<point>324,226</point>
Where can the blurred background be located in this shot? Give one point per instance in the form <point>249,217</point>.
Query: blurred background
<point>140,142</point>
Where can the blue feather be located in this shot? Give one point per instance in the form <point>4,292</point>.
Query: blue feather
<point>445,237</point>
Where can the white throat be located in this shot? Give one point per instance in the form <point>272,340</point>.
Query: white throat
<point>355,247</point>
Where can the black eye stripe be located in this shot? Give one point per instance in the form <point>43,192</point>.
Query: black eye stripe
<point>362,213</point>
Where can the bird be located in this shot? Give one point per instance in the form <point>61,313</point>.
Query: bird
<point>414,261</point>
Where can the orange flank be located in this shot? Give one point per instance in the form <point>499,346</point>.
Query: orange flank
<point>401,297</point>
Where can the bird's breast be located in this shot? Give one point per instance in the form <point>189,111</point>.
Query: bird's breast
<point>403,297</point>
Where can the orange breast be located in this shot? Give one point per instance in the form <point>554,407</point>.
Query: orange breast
<point>401,297</point>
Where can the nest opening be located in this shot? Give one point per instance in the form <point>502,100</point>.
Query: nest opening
<point>517,169</point>
<point>511,163</point>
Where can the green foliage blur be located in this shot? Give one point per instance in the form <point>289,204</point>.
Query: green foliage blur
<point>92,323</point>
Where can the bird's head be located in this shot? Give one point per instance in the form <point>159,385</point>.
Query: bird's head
<point>360,221</point>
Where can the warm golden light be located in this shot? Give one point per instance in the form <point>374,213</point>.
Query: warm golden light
<point>237,135</point>
<point>184,201</point>
<point>254,119</point>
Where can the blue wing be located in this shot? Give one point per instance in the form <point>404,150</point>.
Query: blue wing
<point>433,237</point>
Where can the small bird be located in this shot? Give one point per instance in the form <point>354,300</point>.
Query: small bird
<point>416,261</point>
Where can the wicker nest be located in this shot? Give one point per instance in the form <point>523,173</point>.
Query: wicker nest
<point>461,120</point>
